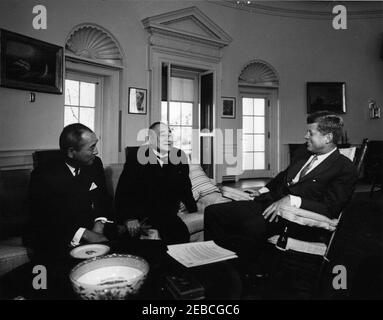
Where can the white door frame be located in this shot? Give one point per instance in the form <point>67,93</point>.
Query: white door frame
<point>273,128</point>
<point>109,139</point>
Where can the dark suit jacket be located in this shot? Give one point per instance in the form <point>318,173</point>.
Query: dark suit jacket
<point>61,203</point>
<point>149,190</point>
<point>325,190</point>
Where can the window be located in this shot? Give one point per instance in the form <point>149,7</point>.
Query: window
<point>178,111</point>
<point>81,101</point>
<point>254,133</point>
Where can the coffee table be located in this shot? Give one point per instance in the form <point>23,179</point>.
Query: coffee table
<point>219,280</point>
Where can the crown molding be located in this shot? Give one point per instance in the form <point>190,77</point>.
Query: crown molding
<point>314,10</point>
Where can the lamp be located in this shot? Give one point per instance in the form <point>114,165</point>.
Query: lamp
<point>374,109</point>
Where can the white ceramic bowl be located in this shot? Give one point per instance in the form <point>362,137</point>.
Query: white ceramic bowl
<point>114,276</point>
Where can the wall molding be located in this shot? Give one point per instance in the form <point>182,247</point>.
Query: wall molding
<point>93,42</point>
<point>189,24</point>
<point>16,159</point>
<point>305,10</point>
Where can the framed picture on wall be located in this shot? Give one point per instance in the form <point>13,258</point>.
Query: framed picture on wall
<point>228,107</point>
<point>30,64</point>
<point>137,100</point>
<point>330,96</point>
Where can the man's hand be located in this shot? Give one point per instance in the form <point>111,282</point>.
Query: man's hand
<point>136,227</point>
<point>133,227</point>
<point>91,236</point>
<point>271,211</point>
<point>252,193</point>
<point>98,227</point>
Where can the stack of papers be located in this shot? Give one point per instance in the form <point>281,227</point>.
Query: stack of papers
<point>194,254</point>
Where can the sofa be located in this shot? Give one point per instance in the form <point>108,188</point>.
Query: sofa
<point>14,209</point>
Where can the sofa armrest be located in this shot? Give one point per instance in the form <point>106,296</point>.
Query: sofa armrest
<point>235,194</point>
<point>307,218</point>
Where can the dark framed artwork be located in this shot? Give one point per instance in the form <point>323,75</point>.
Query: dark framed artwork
<point>330,96</point>
<point>137,100</point>
<point>30,64</point>
<point>228,107</point>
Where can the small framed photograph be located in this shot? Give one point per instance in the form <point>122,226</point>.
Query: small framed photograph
<point>30,64</point>
<point>228,107</point>
<point>326,96</point>
<point>137,100</point>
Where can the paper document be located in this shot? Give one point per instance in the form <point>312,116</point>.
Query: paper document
<point>199,253</point>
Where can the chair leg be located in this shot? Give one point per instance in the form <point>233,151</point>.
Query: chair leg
<point>318,285</point>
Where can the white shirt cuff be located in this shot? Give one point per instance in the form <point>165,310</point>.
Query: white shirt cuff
<point>263,190</point>
<point>77,237</point>
<point>103,220</point>
<point>295,201</point>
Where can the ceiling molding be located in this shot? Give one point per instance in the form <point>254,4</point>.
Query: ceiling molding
<point>315,10</point>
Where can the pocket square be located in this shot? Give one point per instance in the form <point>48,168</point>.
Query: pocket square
<point>93,186</point>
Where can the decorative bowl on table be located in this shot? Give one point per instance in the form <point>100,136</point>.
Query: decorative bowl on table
<point>110,277</point>
<point>89,251</point>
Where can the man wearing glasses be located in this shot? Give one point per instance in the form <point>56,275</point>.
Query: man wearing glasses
<point>154,181</point>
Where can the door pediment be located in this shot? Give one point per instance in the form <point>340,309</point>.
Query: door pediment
<point>189,24</point>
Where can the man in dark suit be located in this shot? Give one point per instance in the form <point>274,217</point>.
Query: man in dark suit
<point>322,182</point>
<point>154,181</point>
<point>68,198</point>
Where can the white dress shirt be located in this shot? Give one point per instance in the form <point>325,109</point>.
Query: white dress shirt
<point>160,157</point>
<point>295,200</point>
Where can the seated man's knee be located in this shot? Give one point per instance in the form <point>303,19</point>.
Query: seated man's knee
<point>212,212</point>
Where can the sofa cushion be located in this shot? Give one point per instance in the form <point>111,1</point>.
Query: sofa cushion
<point>11,257</point>
<point>194,221</point>
<point>209,199</point>
<point>201,184</point>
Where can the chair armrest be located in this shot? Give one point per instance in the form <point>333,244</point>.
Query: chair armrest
<point>307,218</point>
<point>235,194</point>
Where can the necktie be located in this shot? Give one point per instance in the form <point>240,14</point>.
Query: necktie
<point>307,167</point>
<point>76,171</point>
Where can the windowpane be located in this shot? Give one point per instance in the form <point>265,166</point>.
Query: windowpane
<point>70,115</point>
<point>176,132</point>
<point>87,117</point>
<point>259,125</point>
<point>259,161</point>
<point>186,142</point>
<point>71,92</point>
<point>254,135</point>
<point>87,94</point>
<point>259,142</point>
<point>259,107</point>
<point>187,114</point>
<point>164,111</point>
<point>247,161</point>
<point>248,143</point>
<point>188,153</point>
<point>247,106</point>
<point>247,124</point>
<point>174,113</point>
<point>181,89</point>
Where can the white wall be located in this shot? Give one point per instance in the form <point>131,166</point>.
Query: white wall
<point>301,50</point>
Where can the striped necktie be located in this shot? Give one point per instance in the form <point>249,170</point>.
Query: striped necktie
<point>307,167</point>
